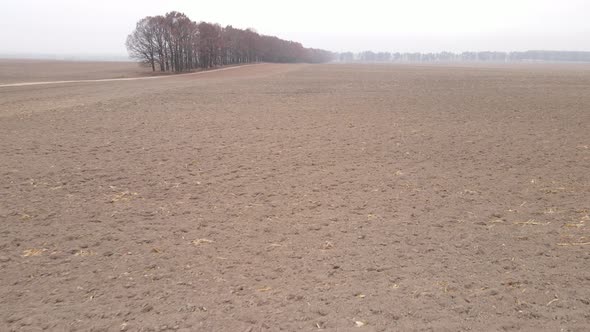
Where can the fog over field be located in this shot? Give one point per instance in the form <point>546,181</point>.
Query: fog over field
<point>99,27</point>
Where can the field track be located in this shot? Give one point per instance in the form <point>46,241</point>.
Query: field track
<point>119,79</point>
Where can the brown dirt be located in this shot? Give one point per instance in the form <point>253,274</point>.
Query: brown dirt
<point>17,70</point>
<point>299,197</point>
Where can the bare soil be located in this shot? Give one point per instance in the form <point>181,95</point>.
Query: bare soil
<point>17,70</point>
<point>299,197</point>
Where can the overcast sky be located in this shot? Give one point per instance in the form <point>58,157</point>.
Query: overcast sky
<point>100,27</point>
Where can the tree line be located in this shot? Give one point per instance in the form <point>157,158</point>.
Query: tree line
<point>173,42</point>
<point>527,56</point>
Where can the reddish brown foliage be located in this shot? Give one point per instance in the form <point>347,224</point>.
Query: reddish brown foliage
<point>175,43</point>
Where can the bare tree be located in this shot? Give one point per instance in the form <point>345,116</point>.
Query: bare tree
<point>175,43</point>
<point>140,43</point>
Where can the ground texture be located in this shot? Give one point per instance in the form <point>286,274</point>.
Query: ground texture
<point>299,197</point>
<point>17,70</point>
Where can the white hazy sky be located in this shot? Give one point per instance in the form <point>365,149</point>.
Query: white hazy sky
<point>100,27</point>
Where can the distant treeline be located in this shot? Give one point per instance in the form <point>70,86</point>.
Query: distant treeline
<point>174,42</point>
<point>555,56</point>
